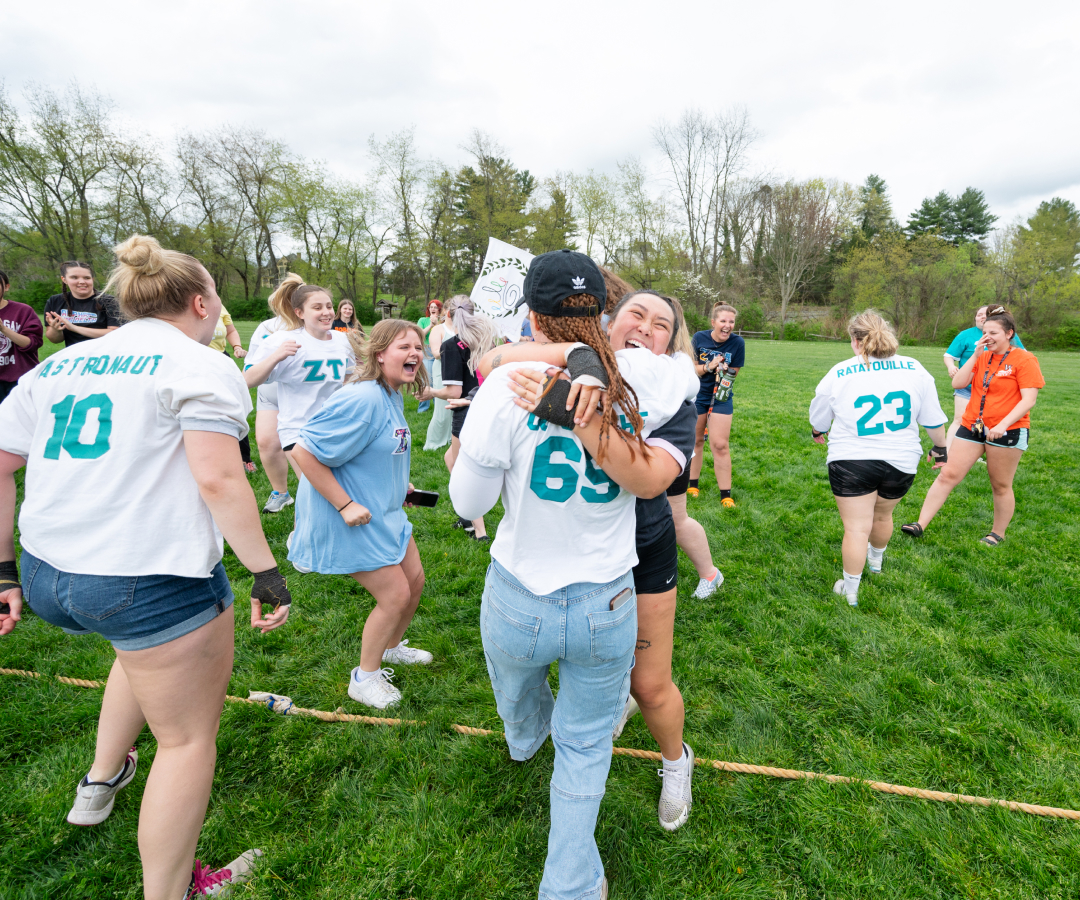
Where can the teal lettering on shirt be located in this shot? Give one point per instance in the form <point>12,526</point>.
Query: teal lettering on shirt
<point>624,423</point>
<point>74,365</point>
<point>120,365</point>
<point>157,359</point>
<point>140,364</point>
<point>101,366</point>
<point>90,363</point>
<point>45,371</point>
<point>315,365</point>
<point>336,364</point>
<point>535,424</point>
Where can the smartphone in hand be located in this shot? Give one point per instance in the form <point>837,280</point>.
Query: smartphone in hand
<point>422,498</point>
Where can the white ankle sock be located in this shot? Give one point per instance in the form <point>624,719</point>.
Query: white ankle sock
<point>874,553</point>
<point>851,584</point>
<point>361,675</point>
<point>668,764</point>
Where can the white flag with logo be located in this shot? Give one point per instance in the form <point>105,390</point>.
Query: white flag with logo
<point>500,286</point>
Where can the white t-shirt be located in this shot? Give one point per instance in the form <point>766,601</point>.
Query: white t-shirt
<point>260,334</point>
<point>874,412</point>
<point>307,378</point>
<point>101,425</point>
<point>565,521</point>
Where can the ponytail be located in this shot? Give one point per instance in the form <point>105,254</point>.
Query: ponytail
<point>281,301</point>
<point>875,336</point>
<point>1002,316</point>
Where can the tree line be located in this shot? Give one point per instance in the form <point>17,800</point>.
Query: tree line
<point>793,256</point>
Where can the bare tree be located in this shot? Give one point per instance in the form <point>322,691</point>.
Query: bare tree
<point>803,219</point>
<point>704,154</point>
<point>54,172</point>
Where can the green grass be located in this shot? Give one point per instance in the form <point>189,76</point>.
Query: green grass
<point>959,671</point>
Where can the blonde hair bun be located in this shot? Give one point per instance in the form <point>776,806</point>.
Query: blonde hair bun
<point>142,254</point>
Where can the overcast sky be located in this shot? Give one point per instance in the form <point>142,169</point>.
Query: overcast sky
<point>929,95</point>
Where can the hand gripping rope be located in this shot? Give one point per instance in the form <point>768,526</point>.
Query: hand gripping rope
<point>283,705</point>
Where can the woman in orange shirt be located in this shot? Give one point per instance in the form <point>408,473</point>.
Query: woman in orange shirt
<point>1005,384</point>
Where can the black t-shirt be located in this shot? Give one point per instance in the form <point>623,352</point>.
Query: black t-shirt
<point>98,311</point>
<point>706,349</point>
<point>679,431</point>
<point>455,370</point>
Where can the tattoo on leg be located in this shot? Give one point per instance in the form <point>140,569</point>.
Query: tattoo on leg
<point>643,644</point>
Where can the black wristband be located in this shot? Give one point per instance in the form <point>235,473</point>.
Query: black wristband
<point>270,588</point>
<point>816,433</point>
<point>9,578</point>
<point>340,508</point>
<point>941,454</point>
<point>551,407</point>
<point>586,361</point>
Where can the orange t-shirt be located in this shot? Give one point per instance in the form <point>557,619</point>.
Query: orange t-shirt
<point>1021,370</point>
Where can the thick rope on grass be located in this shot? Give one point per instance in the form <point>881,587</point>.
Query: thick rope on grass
<point>339,715</point>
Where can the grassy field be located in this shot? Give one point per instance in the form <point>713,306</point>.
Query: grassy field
<point>959,671</point>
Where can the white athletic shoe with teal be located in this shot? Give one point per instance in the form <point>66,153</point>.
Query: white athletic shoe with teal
<point>838,588</point>
<point>405,655</point>
<point>874,567</point>
<point>375,690</point>
<point>276,502</point>
<point>707,587</point>
<point>94,799</point>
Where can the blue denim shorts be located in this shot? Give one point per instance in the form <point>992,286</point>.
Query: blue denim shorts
<point>702,402</point>
<point>962,393</point>
<point>132,612</point>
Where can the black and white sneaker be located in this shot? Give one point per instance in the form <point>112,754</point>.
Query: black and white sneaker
<point>465,524</point>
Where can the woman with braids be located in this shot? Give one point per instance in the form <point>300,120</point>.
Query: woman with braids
<point>871,407</point>
<point>642,330</point>
<point>1005,380</point>
<point>355,455</point>
<point>561,585</point>
<point>475,334</point>
<point>153,414</point>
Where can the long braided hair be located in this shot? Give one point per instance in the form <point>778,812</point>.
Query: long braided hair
<point>588,331</point>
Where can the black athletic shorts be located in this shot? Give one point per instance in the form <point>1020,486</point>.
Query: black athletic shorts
<point>6,387</point>
<point>680,484</point>
<point>657,570</point>
<point>287,449</point>
<point>859,477</point>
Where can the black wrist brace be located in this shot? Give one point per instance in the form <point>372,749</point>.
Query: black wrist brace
<point>939,454</point>
<point>270,588</point>
<point>586,361</point>
<point>551,407</point>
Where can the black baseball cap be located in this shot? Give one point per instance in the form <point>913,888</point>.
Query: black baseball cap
<point>554,276</point>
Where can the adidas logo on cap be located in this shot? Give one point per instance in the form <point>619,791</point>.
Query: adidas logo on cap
<point>578,283</point>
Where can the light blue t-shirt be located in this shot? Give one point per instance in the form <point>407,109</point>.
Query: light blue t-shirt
<point>361,434</point>
<point>963,345</point>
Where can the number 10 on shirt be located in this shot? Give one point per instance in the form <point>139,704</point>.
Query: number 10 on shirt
<point>71,419</point>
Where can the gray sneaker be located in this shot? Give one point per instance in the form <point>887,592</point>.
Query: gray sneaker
<point>277,502</point>
<point>94,799</point>
<point>675,799</point>
<point>206,882</point>
<point>706,587</point>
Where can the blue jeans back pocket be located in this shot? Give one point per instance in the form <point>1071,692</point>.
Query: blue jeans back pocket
<point>99,596</point>
<point>512,631</point>
<point>613,633</point>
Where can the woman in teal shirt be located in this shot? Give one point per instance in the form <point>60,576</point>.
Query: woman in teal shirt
<point>959,352</point>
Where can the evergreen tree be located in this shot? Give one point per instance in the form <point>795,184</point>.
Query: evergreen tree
<point>1055,230</point>
<point>934,215</point>
<point>874,212</point>
<point>971,218</point>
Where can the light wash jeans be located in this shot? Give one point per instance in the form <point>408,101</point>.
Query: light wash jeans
<point>426,405</point>
<point>594,646</point>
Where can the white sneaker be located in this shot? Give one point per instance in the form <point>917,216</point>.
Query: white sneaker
<point>675,799</point>
<point>206,882</point>
<point>838,588</point>
<point>277,502</point>
<point>629,711</point>
<point>870,561</point>
<point>407,656</point>
<point>288,546</point>
<point>375,690</point>
<point>706,588</point>
<point>94,799</point>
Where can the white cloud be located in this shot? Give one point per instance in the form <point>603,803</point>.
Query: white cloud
<point>927,95</point>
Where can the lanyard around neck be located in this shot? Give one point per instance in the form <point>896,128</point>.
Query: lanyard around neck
<point>988,377</point>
